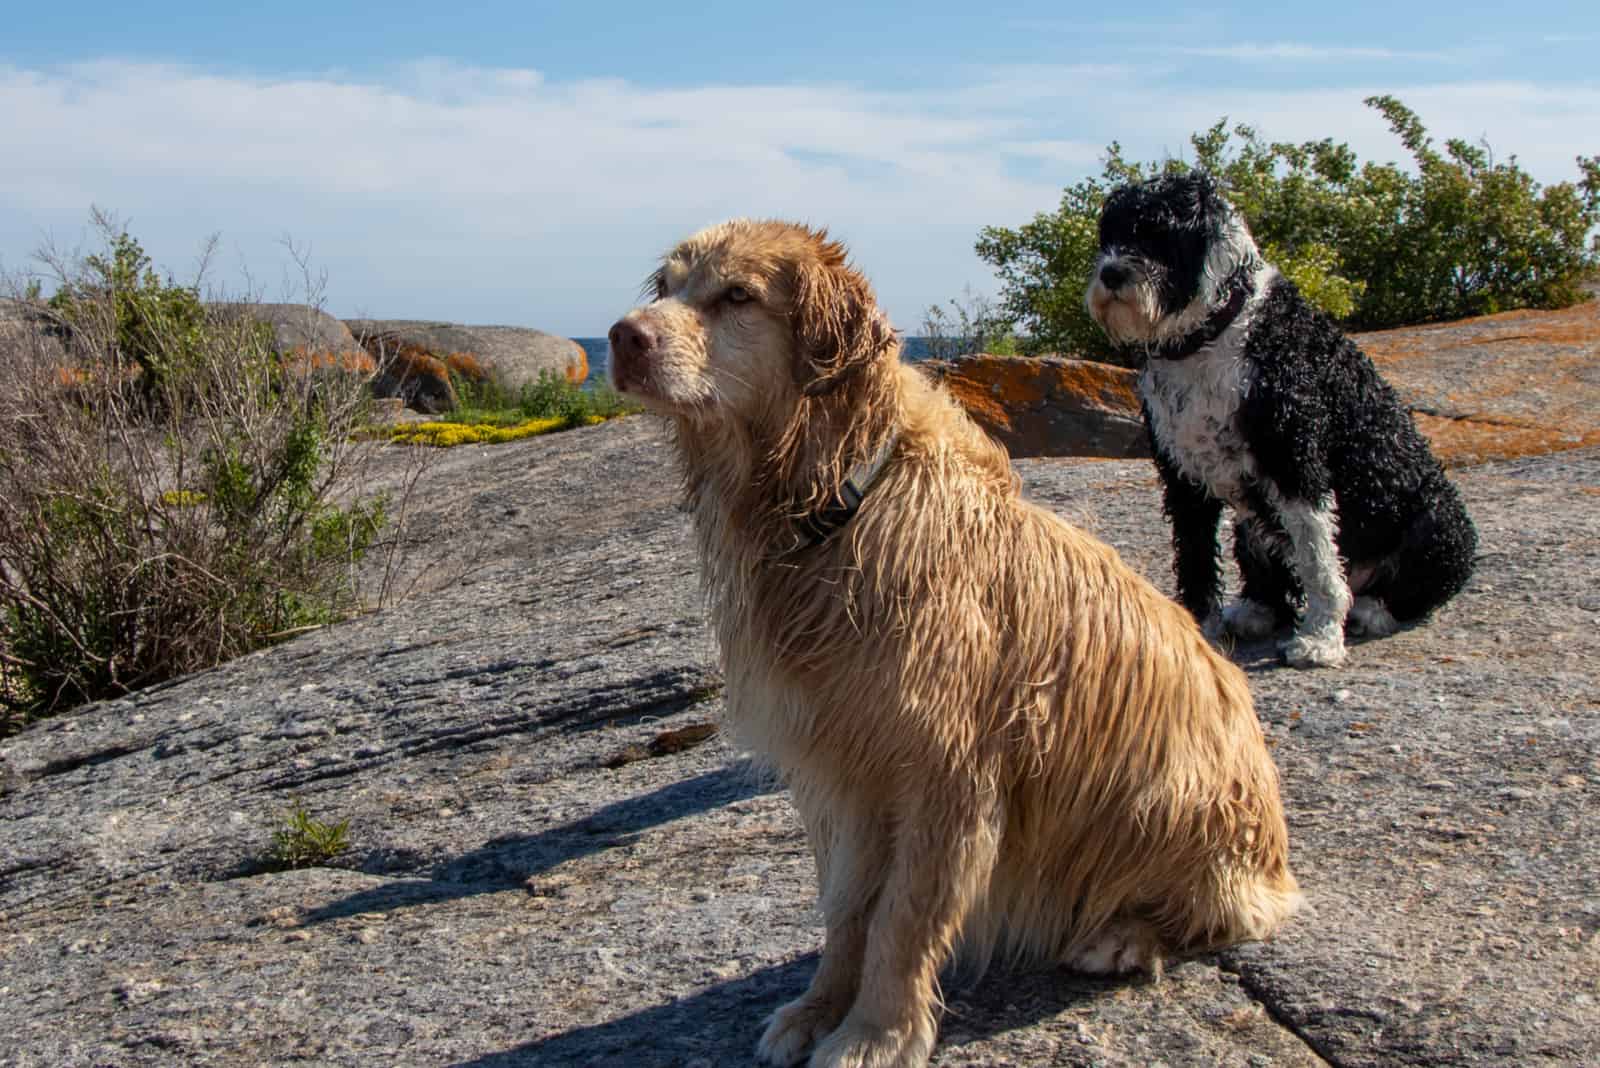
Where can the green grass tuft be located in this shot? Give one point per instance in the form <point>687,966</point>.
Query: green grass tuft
<point>305,842</point>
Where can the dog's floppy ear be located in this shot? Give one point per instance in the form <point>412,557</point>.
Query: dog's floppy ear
<point>838,327</point>
<point>1207,195</point>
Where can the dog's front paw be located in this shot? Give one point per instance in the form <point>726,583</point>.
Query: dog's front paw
<point>1250,619</point>
<point>858,1045</point>
<point>1310,650</point>
<point>1125,948</point>
<point>794,1029</point>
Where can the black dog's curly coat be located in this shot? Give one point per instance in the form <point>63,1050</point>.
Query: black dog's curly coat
<point>1321,421</point>
<point>1256,399</point>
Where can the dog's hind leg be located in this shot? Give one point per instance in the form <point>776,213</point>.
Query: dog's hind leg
<point>946,842</point>
<point>850,854</point>
<point>1371,618</point>
<point>1433,563</point>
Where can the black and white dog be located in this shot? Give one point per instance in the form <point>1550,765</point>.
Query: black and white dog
<point>1256,400</point>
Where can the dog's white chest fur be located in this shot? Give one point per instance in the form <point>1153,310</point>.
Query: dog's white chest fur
<point>1194,414</point>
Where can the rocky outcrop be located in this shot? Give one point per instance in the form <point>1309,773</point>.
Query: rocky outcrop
<point>1047,405</point>
<point>513,356</point>
<point>301,329</point>
<point>23,329</point>
<point>311,340</point>
<point>538,877</point>
<point>1497,387</point>
<point>1520,383</point>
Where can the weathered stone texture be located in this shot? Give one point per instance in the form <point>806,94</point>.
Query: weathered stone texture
<point>511,900</point>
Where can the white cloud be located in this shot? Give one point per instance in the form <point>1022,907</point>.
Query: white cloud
<point>1281,51</point>
<point>500,195</point>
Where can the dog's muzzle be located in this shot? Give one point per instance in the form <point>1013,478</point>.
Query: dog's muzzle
<point>1114,276</point>
<point>633,345</point>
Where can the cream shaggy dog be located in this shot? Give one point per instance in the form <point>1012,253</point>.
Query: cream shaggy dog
<point>1001,739</point>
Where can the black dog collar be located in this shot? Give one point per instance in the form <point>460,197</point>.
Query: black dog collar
<point>1239,288</point>
<point>825,522</point>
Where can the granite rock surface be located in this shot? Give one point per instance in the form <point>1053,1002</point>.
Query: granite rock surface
<point>537,877</point>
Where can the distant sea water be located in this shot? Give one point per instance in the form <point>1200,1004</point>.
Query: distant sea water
<point>596,348</point>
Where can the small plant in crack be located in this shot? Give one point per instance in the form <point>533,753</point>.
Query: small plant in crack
<point>305,842</point>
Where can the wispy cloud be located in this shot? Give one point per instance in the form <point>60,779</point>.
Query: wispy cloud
<point>1287,52</point>
<point>504,195</point>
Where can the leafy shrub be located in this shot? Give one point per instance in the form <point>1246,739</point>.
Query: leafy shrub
<point>1314,269</point>
<point>1374,245</point>
<point>160,326</point>
<point>171,495</point>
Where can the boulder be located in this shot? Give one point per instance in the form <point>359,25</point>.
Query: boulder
<point>412,374</point>
<point>23,329</point>
<point>1049,405</point>
<point>300,328</point>
<point>309,338</point>
<point>513,356</point>
<point>33,342</point>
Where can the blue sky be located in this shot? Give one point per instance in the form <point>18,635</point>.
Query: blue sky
<point>525,163</point>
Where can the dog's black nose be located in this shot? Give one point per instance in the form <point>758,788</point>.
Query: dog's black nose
<point>1112,276</point>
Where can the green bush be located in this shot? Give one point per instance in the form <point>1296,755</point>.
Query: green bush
<point>1374,245</point>
<point>171,494</point>
<point>159,325</point>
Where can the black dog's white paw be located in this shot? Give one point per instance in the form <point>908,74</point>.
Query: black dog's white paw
<point>1312,650</point>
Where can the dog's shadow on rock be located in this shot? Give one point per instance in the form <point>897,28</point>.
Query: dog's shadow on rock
<point>719,1025</point>
<point>715,1027</point>
<point>508,861</point>
<point>1010,1000</point>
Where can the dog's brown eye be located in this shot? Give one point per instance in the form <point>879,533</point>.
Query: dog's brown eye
<point>736,295</point>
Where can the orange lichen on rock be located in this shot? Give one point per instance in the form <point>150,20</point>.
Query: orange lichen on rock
<point>78,378</point>
<point>999,385</point>
<point>578,365</point>
<point>1467,441</point>
<point>467,365</point>
<point>71,376</point>
<point>408,370</point>
<point>1496,387</point>
<point>985,396</point>
<point>302,360</point>
<point>1048,406</point>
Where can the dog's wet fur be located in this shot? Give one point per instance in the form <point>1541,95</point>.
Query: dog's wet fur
<point>1001,740</point>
